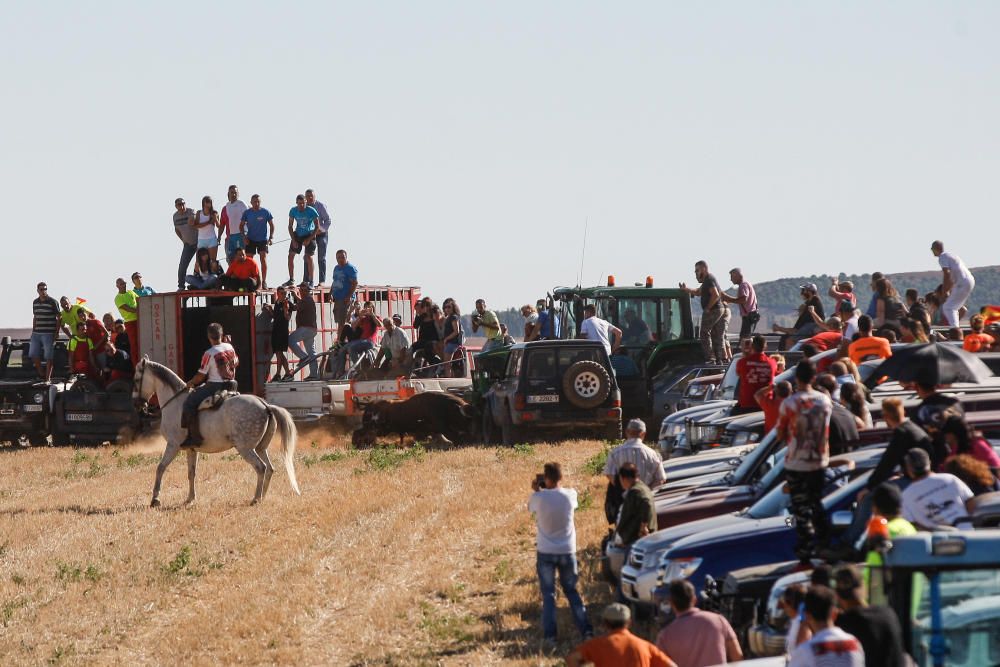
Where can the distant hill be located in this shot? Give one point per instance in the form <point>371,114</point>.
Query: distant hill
<point>779,299</point>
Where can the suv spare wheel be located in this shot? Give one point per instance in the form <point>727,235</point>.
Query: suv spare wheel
<point>586,384</point>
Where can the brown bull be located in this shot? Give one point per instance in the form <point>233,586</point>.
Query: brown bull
<point>424,415</point>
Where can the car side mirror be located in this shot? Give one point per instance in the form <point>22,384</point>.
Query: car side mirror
<point>842,519</point>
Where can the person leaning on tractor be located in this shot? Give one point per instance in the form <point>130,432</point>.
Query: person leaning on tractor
<point>217,371</point>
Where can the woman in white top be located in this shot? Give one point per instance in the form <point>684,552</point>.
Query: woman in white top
<point>207,223</point>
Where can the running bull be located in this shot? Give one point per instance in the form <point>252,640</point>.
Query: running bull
<point>424,415</point>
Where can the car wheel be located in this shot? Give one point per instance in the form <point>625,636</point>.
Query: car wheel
<point>613,432</point>
<point>586,384</point>
<point>509,432</point>
<point>37,439</point>
<point>60,439</point>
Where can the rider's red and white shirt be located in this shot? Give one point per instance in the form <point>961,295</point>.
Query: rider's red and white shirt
<point>219,363</point>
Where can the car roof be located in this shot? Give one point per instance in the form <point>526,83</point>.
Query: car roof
<point>557,343</point>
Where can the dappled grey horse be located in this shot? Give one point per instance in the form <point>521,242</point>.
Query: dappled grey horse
<point>245,422</point>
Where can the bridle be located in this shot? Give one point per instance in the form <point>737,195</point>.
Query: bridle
<point>138,401</point>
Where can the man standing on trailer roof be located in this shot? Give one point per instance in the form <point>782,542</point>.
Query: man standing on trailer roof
<point>257,226</point>
<point>322,234</point>
<point>232,217</point>
<point>302,228</point>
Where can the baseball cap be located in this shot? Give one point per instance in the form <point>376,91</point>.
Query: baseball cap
<point>918,460</point>
<point>397,318</point>
<point>616,613</point>
<point>809,286</point>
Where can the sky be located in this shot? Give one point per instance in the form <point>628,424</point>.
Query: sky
<point>466,146</point>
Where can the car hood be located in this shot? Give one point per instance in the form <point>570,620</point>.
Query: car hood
<point>714,537</point>
<point>15,385</point>
<point>705,457</point>
<point>698,411</point>
<point>667,537</point>
<point>715,478</point>
<point>706,497</point>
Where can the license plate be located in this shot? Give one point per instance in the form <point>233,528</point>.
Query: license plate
<point>32,408</point>
<point>299,412</point>
<point>79,417</point>
<point>6,411</point>
<point>546,398</point>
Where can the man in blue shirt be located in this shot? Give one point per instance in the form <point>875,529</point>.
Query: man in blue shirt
<point>343,283</point>
<point>546,320</point>
<point>257,227</point>
<point>302,228</point>
<point>323,235</point>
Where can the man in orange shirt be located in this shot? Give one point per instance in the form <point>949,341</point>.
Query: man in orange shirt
<point>868,346</point>
<point>977,341</point>
<point>243,273</point>
<point>619,647</point>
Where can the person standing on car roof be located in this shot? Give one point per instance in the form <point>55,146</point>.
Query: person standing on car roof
<point>187,233</point>
<point>595,329</point>
<point>713,332</point>
<point>696,638</point>
<point>957,282</point>
<point>552,507</point>
<point>127,302</point>
<point>231,221</point>
<point>257,227</point>
<point>44,329</point>
<point>804,426</point>
<point>302,228</point>
<point>746,299</point>
<point>755,370</point>
<point>646,460</point>
<point>877,627</point>
<point>322,232</point>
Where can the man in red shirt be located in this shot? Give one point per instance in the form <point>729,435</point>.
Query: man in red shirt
<point>770,399</point>
<point>619,646</point>
<point>755,370</point>
<point>829,339</point>
<point>243,274</point>
<point>97,335</point>
<point>81,352</point>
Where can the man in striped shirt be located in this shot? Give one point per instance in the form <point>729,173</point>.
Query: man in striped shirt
<point>44,328</point>
<point>646,460</point>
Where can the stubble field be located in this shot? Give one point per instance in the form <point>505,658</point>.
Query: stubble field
<point>390,556</point>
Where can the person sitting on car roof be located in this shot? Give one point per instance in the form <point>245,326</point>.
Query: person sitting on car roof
<point>933,499</point>
<point>976,340</point>
<point>811,314</point>
<point>867,346</point>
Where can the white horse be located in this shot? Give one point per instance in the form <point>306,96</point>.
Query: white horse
<point>245,422</point>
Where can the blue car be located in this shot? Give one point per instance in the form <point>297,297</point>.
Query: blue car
<point>716,552</point>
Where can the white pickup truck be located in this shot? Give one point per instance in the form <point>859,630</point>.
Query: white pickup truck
<point>318,402</point>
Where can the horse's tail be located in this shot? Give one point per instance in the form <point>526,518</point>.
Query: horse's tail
<point>289,435</point>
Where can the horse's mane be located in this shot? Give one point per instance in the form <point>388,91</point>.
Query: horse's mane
<point>165,375</point>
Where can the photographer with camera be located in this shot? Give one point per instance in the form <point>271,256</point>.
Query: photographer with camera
<point>552,507</point>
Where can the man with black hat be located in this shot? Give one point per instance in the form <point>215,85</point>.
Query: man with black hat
<point>810,311</point>
<point>933,499</point>
<point>877,628</point>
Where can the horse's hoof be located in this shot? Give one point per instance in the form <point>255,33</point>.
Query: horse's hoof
<point>155,503</point>
<point>254,502</point>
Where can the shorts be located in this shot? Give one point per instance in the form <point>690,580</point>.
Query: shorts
<point>42,344</point>
<point>234,243</point>
<point>208,243</point>
<point>449,348</point>
<point>296,246</point>
<point>254,247</point>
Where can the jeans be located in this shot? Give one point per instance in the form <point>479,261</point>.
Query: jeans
<point>307,336</point>
<point>195,398</point>
<point>812,526</point>
<point>187,254</point>
<point>354,348</point>
<point>198,282</point>
<point>321,241</point>
<point>547,565</point>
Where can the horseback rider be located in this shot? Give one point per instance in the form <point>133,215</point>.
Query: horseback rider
<point>217,372</point>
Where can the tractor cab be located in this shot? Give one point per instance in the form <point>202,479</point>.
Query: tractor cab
<point>657,332</point>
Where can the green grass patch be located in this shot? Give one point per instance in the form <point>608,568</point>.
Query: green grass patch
<point>184,564</point>
<point>84,465</point>
<point>442,626</point>
<point>310,460</point>
<point>585,501</point>
<point>595,464</point>
<point>8,608</point>
<point>387,459</point>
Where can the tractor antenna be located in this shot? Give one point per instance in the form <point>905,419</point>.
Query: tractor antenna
<point>583,252</point>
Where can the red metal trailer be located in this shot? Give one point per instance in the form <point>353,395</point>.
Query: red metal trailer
<point>172,326</point>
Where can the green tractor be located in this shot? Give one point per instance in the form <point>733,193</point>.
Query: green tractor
<point>657,327</point>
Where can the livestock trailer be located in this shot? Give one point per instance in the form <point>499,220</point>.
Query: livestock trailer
<point>172,326</point>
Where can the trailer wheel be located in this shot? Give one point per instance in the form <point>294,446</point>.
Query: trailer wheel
<point>586,384</point>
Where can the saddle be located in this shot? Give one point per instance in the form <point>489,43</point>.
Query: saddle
<point>214,401</point>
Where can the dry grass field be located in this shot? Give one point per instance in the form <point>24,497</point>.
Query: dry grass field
<point>390,557</point>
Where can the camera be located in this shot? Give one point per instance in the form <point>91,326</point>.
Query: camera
<point>540,481</point>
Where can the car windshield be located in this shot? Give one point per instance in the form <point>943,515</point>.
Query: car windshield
<point>638,321</point>
<point>753,459</point>
<point>970,609</point>
<point>727,388</point>
<point>547,363</point>
<point>776,502</point>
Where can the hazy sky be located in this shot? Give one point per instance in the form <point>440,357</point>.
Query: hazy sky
<point>461,145</point>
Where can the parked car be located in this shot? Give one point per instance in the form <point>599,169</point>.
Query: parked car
<point>27,403</point>
<point>677,388</point>
<point>554,387</point>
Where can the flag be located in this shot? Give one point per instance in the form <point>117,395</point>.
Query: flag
<point>991,314</point>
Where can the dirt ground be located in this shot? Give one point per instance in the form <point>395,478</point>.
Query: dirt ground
<point>391,556</point>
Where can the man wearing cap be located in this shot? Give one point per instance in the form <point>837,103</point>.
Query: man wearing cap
<point>877,627</point>
<point>127,303</point>
<point>933,499</point>
<point>810,312</point>
<point>696,638</point>
<point>395,345</point>
<point>646,460</point>
<point>842,292</point>
<point>552,507</point>
<point>746,299</point>
<point>956,281</point>
<point>619,647</point>
<point>188,234</point>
